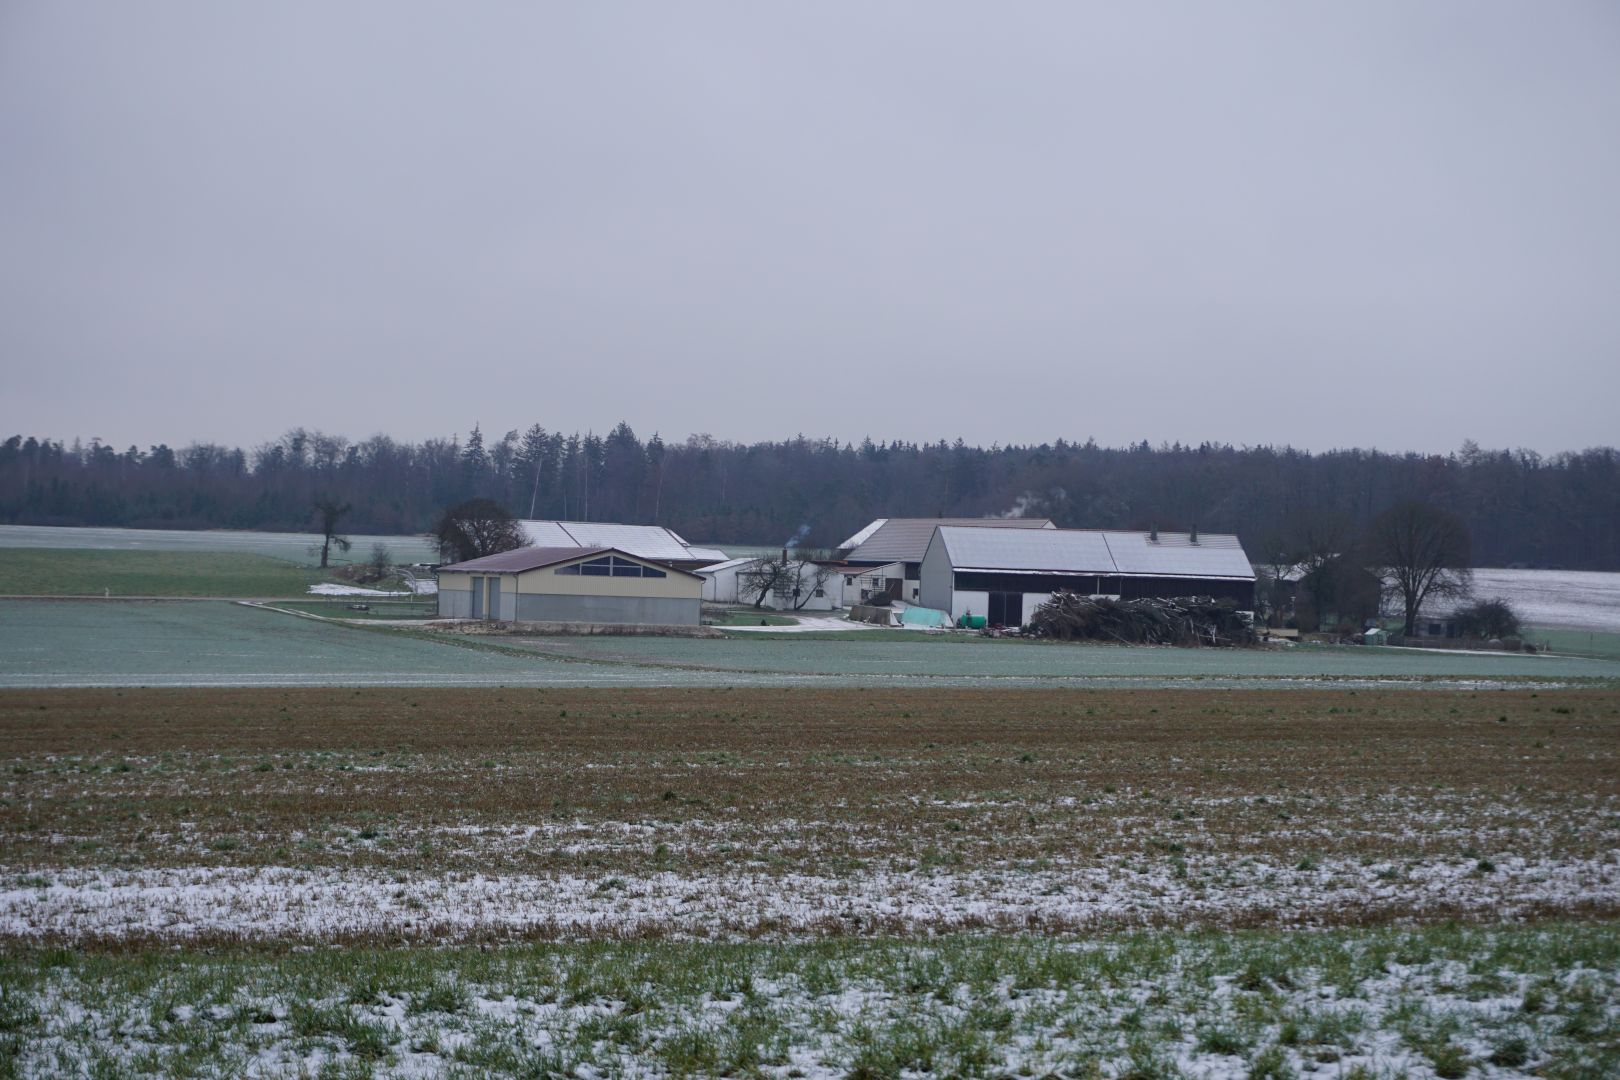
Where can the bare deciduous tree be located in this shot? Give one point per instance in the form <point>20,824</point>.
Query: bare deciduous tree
<point>1425,552</point>
<point>763,577</point>
<point>475,528</point>
<point>330,510</point>
<point>809,574</point>
<point>793,577</point>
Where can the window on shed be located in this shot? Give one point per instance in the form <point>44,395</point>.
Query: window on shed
<point>647,571</point>
<point>602,567</point>
<point>567,570</point>
<point>624,567</point>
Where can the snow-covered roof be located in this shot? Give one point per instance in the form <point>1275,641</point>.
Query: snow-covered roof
<point>647,541</point>
<point>1095,551</point>
<point>906,539</point>
<point>715,568</point>
<point>706,553</point>
<point>865,534</point>
<point>1054,551</point>
<point>1215,555</point>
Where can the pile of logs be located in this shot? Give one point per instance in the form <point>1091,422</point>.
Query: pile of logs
<point>1184,620</point>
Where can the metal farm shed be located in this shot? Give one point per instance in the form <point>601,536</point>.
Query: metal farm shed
<point>1005,575</point>
<point>905,540</point>
<point>599,585</point>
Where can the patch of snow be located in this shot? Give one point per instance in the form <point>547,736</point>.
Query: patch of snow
<point>271,903</point>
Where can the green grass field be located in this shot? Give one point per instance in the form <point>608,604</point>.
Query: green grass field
<point>1359,1005</point>
<point>337,607</point>
<point>1577,642</point>
<point>300,548</point>
<point>84,643</point>
<point>65,572</point>
<point>896,654</point>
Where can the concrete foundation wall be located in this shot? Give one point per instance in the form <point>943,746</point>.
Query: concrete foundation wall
<point>650,610</point>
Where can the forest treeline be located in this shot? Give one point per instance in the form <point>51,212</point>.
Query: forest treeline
<point>1521,508</point>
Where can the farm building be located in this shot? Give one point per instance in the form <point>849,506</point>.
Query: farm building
<point>819,587</point>
<point>601,585</point>
<point>862,583</point>
<point>643,541</point>
<point>1005,574</point>
<point>903,541</point>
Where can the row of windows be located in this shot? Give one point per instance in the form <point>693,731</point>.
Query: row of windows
<point>610,566</point>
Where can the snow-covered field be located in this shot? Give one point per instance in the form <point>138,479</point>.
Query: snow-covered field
<point>1559,599</point>
<point>286,903</point>
<point>1359,1005</point>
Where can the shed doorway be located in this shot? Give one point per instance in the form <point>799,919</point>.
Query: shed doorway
<point>1006,609</point>
<point>494,598</point>
<point>478,598</point>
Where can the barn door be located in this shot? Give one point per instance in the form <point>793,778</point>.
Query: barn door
<point>1006,609</point>
<point>495,598</point>
<point>478,598</point>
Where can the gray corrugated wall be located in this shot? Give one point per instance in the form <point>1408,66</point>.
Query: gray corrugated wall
<point>642,610</point>
<point>938,577</point>
<point>455,603</point>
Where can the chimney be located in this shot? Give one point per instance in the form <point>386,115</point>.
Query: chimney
<point>1153,535</point>
<point>1193,538</point>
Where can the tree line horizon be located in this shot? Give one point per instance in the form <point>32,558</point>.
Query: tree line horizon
<point>1520,507</point>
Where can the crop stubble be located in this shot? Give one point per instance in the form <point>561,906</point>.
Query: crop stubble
<point>1174,798</point>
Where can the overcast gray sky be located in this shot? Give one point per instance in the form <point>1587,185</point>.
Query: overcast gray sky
<point>1329,224</point>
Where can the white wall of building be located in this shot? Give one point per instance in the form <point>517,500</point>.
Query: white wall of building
<point>938,577</point>
<point>720,586</point>
<point>871,579</point>
<point>730,586</point>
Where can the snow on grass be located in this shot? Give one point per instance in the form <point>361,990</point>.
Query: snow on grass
<point>332,588</point>
<point>287,903</point>
<point>1436,1002</point>
<point>1560,599</point>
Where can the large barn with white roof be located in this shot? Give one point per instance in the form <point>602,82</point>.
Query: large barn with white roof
<point>888,552</point>
<point>1005,574</point>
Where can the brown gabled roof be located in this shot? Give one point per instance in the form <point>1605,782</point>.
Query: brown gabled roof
<point>519,560</point>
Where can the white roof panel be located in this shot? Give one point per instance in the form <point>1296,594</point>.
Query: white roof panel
<point>1216,555</point>
<point>906,539</point>
<point>1095,551</point>
<point>646,541</point>
<point>715,568</point>
<point>861,537</point>
<point>546,534</point>
<point>706,553</point>
<point>1057,551</point>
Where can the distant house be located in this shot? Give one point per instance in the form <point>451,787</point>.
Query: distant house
<point>720,580</point>
<point>598,585</point>
<point>645,541</point>
<point>728,582</point>
<point>902,542</point>
<point>1004,575</point>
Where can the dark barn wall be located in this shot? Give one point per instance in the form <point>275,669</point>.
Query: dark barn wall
<point>1127,587</point>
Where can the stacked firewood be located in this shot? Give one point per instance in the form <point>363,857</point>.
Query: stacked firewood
<point>1183,620</point>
